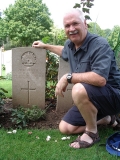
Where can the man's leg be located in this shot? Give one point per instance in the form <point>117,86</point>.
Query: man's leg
<point>67,128</point>
<point>88,112</point>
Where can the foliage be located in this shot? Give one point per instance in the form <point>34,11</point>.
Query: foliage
<point>3,67</point>
<point>2,33</point>
<point>114,41</point>
<point>35,113</point>
<point>85,5</point>
<point>2,96</point>
<point>7,85</point>
<point>9,76</point>
<point>26,21</point>
<point>21,116</point>
<point>95,29</point>
<point>107,32</point>
<point>58,36</point>
<point>52,63</point>
<point>18,117</point>
<point>1,42</point>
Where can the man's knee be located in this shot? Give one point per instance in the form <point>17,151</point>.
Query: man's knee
<point>63,127</point>
<point>79,92</point>
<point>67,128</point>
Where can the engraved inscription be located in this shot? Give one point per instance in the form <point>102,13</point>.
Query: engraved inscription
<point>28,89</point>
<point>28,59</point>
<point>27,72</point>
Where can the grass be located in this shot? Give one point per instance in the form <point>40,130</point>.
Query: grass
<point>22,146</point>
<point>7,85</point>
<point>3,73</point>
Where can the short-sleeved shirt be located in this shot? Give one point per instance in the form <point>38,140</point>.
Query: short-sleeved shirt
<point>94,55</point>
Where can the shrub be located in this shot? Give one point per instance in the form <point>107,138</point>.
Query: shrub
<point>21,116</point>
<point>9,76</point>
<point>2,96</point>
<point>3,67</point>
<point>52,64</point>
<point>35,113</point>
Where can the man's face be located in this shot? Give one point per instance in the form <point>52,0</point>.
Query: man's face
<point>75,28</point>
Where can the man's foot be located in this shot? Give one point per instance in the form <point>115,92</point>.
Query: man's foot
<point>86,140</point>
<point>111,121</point>
<point>114,123</point>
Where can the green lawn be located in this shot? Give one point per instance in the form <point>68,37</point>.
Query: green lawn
<point>7,85</point>
<point>24,146</point>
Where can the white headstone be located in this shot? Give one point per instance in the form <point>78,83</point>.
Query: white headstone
<point>28,76</point>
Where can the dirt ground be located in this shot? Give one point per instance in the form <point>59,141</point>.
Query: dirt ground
<point>51,120</point>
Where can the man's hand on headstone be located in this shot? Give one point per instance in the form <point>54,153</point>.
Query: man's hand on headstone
<point>38,44</point>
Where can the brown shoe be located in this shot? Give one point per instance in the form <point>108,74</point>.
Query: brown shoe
<point>83,144</point>
<point>113,119</point>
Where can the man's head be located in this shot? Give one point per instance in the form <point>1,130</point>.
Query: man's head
<point>75,26</point>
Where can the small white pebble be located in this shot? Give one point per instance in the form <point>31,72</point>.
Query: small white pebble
<point>37,137</point>
<point>14,131</point>
<point>63,138</point>
<point>9,132</point>
<point>48,138</point>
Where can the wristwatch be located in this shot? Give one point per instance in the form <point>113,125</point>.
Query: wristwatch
<point>69,77</point>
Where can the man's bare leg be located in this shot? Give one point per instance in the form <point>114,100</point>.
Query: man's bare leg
<point>69,129</point>
<point>88,111</point>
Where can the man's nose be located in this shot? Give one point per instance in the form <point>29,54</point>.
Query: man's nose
<point>72,27</point>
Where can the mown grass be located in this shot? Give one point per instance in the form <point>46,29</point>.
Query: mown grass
<point>7,85</point>
<point>24,146</point>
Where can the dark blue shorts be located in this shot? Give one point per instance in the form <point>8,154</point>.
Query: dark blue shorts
<point>106,99</point>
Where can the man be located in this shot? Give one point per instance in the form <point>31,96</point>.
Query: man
<point>96,79</point>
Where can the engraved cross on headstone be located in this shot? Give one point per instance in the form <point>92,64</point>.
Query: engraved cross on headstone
<point>28,89</point>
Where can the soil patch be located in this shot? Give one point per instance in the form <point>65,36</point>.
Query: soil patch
<point>51,121</point>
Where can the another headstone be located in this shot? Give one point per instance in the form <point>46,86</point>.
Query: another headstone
<point>28,76</point>
<point>64,104</point>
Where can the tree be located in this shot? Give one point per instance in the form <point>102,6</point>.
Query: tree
<point>2,38</point>
<point>26,21</point>
<point>95,29</point>
<point>85,5</point>
<point>58,36</point>
<point>114,41</point>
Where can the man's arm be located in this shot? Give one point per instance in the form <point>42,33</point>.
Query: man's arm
<point>53,48</point>
<point>90,78</point>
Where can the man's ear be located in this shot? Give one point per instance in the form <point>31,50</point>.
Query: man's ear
<point>86,23</point>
